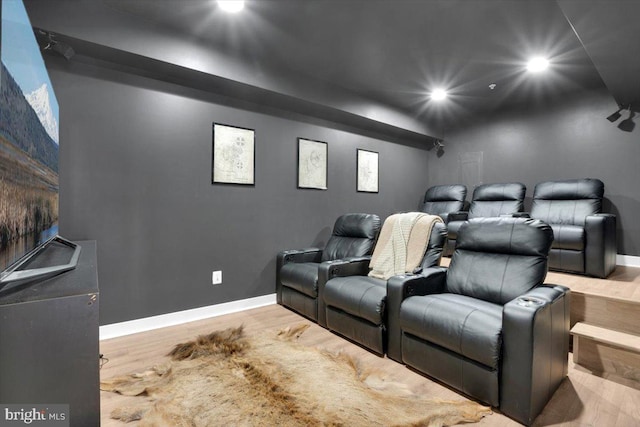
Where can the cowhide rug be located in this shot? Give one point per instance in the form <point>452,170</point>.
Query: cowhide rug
<point>229,379</point>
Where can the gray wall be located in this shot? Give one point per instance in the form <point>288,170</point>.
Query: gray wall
<point>136,176</point>
<point>560,139</point>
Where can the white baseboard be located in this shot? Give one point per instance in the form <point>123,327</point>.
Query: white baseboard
<point>628,260</point>
<point>171,319</point>
<point>115,330</point>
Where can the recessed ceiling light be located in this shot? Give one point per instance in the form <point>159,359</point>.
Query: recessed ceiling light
<point>537,64</point>
<point>232,6</point>
<point>438,94</point>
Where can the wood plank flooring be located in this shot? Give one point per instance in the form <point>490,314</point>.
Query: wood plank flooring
<point>623,283</point>
<point>583,399</point>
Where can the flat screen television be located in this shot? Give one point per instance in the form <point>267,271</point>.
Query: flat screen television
<point>29,147</point>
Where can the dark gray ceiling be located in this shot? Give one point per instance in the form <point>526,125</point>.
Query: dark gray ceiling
<point>610,33</point>
<point>390,51</point>
<point>396,51</point>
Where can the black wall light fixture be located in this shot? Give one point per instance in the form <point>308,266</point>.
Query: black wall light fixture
<point>627,125</point>
<point>50,43</point>
<point>438,145</point>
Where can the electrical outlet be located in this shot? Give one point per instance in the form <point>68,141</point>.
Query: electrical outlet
<point>216,277</point>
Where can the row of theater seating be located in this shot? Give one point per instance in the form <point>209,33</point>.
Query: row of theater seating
<point>486,325</point>
<point>584,237</point>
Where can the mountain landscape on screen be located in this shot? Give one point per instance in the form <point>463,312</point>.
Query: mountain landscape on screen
<point>28,172</point>
<point>39,101</point>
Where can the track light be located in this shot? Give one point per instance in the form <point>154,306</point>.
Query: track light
<point>615,116</point>
<point>627,125</point>
<point>438,144</point>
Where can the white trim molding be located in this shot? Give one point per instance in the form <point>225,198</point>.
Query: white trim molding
<point>628,260</point>
<point>115,330</point>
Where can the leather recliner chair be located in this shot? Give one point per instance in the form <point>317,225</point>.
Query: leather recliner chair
<point>487,325</point>
<point>355,303</point>
<point>488,200</point>
<point>299,271</point>
<point>442,200</point>
<point>585,238</point>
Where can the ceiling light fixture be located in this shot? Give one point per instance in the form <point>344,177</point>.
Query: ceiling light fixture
<point>231,6</point>
<point>537,64</point>
<point>438,94</point>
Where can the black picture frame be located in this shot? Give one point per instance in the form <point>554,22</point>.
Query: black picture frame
<point>367,171</point>
<point>313,162</point>
<point>233,155</point>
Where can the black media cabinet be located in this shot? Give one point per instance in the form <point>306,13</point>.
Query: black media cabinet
<point>49,341</point>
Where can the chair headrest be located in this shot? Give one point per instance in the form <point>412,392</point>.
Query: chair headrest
<point>446,193</point>
<point>496,192</point>
<point>570,189</point>
<point>360,225</point>
<point>517,236</point>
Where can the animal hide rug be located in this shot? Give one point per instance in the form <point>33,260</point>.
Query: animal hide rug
<point>229,379</point>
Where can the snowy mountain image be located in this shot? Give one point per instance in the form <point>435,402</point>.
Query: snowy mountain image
<point>39,101</point>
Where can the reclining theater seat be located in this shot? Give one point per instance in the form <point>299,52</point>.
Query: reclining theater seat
<point>355,302</point>
<point>487,325</point>
<point>488,200</point>
<point>585,238</point>
<point>353,235</point>
<point>442,200</point>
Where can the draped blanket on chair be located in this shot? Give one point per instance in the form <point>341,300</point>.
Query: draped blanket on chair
<point>403,240</point>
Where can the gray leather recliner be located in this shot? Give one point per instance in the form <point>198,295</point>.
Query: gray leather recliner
<point>585,238</point>
<point>299,271</point>
<point>443,200</point>
<point>487,325</point>
<point>488,200</point>
<point>356,303</point>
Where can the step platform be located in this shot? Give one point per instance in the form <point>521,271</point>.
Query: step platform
<point>602,350</point>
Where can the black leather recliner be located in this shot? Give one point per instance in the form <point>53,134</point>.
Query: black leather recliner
<point>355,303</point>
<point>299,271</point>
<point>488,200</point>
<point>442,200</point>
<point>585,238</point>
<point>487,325</point>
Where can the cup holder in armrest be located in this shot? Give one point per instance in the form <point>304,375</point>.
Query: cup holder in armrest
<point>529,302</point>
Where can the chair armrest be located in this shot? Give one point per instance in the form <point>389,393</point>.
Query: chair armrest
<point>446,216</point>
<point>293,255</point>
<point>431,281</point>
<point>535,348</point>
<point>299,255</point>
<point>601,245</point>
<point>354,259</point>
<point>517,215</point>
<point>354,266</point>
<point>458,216</point>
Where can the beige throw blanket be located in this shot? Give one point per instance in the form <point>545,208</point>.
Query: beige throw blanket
<point>402,244</point>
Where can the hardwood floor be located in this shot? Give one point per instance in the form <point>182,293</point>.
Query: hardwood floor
<point>583,399</point>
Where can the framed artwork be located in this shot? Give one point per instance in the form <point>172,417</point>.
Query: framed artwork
<point>312,164</point>
<point>233,155</point>
<point>367,180</point>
